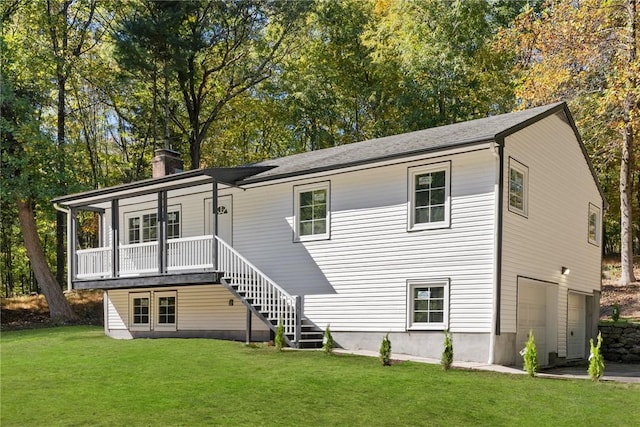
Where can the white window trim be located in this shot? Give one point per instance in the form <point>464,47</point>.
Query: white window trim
<point>593,209</point>
<point>133,214</point>
<point>413,283</point>
<point>140,326</point>
<point>524,170</point>
<point>436,167</point>
<point>296,206</point>
<point>156,318</point>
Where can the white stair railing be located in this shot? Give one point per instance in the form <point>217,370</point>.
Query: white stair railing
<point>261,291</point>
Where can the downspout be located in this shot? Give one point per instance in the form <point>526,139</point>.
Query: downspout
<point>69,243</point>
<point>497,150</point>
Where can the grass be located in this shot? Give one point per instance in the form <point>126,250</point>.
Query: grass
<point>76,376</point>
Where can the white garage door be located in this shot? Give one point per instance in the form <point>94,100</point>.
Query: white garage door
<point>576,326</point>
<point>532,316</point>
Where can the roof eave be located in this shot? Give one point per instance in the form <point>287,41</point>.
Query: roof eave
<point>227,176</point>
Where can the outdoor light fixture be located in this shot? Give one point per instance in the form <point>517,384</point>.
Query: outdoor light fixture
<point>231,300</point>
<point>565,271</point>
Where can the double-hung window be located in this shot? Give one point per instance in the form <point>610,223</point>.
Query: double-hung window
<point>518,187</point>
<point>594,225</point>
<point>430,196</point>
<point>173,225</point>
<point>428,305</point>
<point>312,212</point>
<point>143,226</point>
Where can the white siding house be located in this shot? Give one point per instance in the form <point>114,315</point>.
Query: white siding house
<point>488,228</point>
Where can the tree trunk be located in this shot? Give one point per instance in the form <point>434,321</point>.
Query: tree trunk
<point>59,307</point>
<point>626,166</point>
<point>626,235</point>
<point>194,150</point>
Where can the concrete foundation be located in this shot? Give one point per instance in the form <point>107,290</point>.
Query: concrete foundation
<point>256,336</point>
<point>466,346</point>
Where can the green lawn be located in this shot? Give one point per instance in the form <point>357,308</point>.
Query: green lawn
<point>76,376</point>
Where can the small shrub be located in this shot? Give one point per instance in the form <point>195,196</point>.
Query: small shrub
<point>530,355</point>
<point>385,351</point>
<point>279,341</point>
<point>596,361</point>
<point>447,354</point>
<point>327,341</point>
<point>615,313</point>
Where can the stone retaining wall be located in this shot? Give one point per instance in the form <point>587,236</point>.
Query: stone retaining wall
<point>621,342</point>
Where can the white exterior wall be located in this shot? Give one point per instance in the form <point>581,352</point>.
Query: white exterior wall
<point>357,280</point>
<point>555,232</point>
<point>199,308</point>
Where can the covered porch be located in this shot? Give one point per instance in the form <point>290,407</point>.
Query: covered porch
<point>150,250</point>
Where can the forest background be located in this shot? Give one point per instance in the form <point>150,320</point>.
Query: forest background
<point>91,88</point>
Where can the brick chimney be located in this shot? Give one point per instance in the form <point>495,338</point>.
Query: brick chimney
<point>166,162</point>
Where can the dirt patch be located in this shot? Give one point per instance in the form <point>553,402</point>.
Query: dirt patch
<point>32,311</point>
<point>627,297</point>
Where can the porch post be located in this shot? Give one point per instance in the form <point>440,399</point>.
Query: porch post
<point>115,238</point>
<point>248,333</point>
<point>101,237</point>
<point>162,232</point>
<point>72,237</point>
<point>214,208</point>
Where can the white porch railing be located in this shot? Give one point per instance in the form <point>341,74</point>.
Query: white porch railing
<point>94,263</point>
<point>189,253</point>
<point>261,291</point>
<point>138,258</point>
<point>196,253</point>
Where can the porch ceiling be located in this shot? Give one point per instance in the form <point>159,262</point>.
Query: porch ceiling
<point>228,176</point>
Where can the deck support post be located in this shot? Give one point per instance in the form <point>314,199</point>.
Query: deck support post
<point>298,320</point>
<point>214,209</point>
<point>115,238</point>
<point>162,233</point>
<point>248,332</point>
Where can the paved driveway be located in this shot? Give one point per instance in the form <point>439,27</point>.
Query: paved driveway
<point>621,372</point>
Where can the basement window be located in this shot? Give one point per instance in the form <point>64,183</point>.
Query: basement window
<point>166,310</point>
<point>140,309</point>
<point>428,304</point>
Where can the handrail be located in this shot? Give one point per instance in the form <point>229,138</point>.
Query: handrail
<point>259,290</point>
<point>249,264</point>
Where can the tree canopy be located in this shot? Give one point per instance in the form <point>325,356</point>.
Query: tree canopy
<point>90,89</point>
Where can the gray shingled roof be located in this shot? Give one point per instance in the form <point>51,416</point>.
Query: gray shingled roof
<point>403,145</point>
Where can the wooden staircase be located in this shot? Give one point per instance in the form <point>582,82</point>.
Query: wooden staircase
<point>268,301</point>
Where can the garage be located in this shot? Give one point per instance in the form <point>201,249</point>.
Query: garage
<point>576,326</point>
<point>536,313</point>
